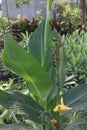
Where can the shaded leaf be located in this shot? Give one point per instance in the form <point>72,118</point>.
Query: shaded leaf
<point>21,104</point>
<point>77,126</point>
<point>76,97</point>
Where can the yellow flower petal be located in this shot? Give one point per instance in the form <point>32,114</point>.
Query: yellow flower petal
<point>61,107</point>
<point>58,107</point>
<point>65,108</point>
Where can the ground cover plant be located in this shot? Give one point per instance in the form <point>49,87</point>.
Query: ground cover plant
<point>77,58</point>
<point>43,66</point>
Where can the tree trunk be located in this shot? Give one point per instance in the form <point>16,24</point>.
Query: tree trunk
<point>83,8</point>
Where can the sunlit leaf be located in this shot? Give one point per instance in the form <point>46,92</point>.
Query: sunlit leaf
<point>38,45</point>
<point>22,63</point>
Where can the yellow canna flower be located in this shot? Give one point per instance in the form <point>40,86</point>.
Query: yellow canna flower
<point>54,123</point>
<point>61,107</point>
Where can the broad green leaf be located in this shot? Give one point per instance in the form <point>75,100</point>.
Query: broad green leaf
<point>76,97</point>
<point>39,43</point>
<point>22,63</point>
<point>15,126</point>
<point>21,104</point>
<point>36,43</point>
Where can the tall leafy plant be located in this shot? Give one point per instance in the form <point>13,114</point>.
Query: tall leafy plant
<point>39,111</point>
<point>46,104</point>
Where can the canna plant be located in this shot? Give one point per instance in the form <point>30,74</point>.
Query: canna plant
<point>52,105</point>
<point>43,67</point>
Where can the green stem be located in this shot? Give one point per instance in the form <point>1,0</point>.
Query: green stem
<point>43,127</point>
<point>4,114</point>
<point>73,117</point>
<point>14,117</point>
